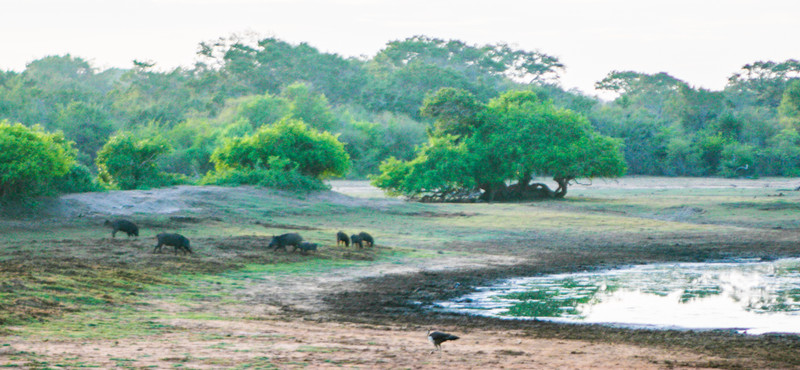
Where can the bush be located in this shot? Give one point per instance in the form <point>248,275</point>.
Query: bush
<point>79,179</point>
<point>738,160</point>
<point>312,153</point>
<point>130,162</point>
<point>272,177</point>
<point>31,160</point>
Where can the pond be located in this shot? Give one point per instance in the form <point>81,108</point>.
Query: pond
<point>751,297</point>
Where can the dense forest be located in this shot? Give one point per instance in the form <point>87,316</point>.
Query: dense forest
<point>255,111</point>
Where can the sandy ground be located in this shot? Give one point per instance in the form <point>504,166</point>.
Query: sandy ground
<point>272,341</point>
<point>647,182</point>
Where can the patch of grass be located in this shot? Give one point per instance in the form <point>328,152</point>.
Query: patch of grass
<point>318,349</point>
<point>257,363</point>
<point>97,324</point>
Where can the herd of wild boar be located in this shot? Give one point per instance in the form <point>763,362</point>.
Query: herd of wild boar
<point>181,243</point>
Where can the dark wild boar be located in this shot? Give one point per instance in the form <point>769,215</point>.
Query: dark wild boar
<point>366,239</point>
<point>174,240</point>
<point>356,241</point>
<point>125,226</point>
<point>342,238</point>
<point>305,247</point>
<point>284,240</point>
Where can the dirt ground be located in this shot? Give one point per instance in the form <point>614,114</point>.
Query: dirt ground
<point>297,343</point>
<point>367,317</point>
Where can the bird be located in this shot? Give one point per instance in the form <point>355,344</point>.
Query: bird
<point>437,338</point>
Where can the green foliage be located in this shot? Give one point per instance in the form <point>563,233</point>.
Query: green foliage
<point>783,154</point>
<point>241,84</point>
<point>696,109</point>
<point>441,166</point>
<point>309,106</point>
<point>79,179</point>
<point>192,141</point>
<point>148,96</point>
<point>455,111</point>
<point>762,83</point>
<point>737,159</point>
<point>680,158</point>
<point>128,161</point>
<point>312,153</point>
<point>644,136</point>
<point>544,140</point>
<point>31,160</point>
<point>406,71</point>
<point>277,174</point>
<point>710,152</point>
<point>371,138</point>
<point>491,59</point>
<point>513,138</point>
<point>244,67</point>
<point>88,125</point>
<point>264,109</point>
<point>790,103</point>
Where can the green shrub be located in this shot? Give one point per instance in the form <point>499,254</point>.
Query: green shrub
<point>275,176</point>
<point>31,160</point>
<point>130,162</point>
<point>79,179</point>
<point>312,153</point>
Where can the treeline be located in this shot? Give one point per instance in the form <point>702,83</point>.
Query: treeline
<point>211,123</point>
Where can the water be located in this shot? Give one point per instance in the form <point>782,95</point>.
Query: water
<point>747,296</point>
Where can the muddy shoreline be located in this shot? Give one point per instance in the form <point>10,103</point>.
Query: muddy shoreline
<point>402,299</point>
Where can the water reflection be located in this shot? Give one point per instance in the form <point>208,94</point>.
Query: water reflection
<point>753,297</point>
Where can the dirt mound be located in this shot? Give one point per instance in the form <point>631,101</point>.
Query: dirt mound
<point>199,199</point>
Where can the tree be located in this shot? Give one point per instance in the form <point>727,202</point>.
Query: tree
<point>249,66</point>
<point>696,109</point>
<point>31,160</point>
<point>472,60</point>
<point>88,125</point>
<point>442,171</point>
<point>762,82</point>
<point>309,106</point>
<point>648,91</point>
<point>790,103</point>
<point>128,161</point>
<point>313,153</point>
<point>370,138</point>
<point>456,111</point>
<point>264,109</point>
<point>145,96</point>
<point>406,71</point>
<point>542,140</point>
<point>514,138</point>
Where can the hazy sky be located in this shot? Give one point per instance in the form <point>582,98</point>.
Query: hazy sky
<point>701,42</point>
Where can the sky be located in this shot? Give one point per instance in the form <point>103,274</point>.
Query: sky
<point>702,42</point>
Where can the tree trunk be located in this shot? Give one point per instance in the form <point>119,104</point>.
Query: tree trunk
<point>523,184</point>
<point>561,191</point>
<point>493,191</point>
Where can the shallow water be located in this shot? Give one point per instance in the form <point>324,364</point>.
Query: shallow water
<point>748,296</point>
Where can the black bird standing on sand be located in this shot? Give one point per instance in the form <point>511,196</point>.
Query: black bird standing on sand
<point>437,338</point>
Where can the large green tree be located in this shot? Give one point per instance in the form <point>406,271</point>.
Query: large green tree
<point>512,139</point>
